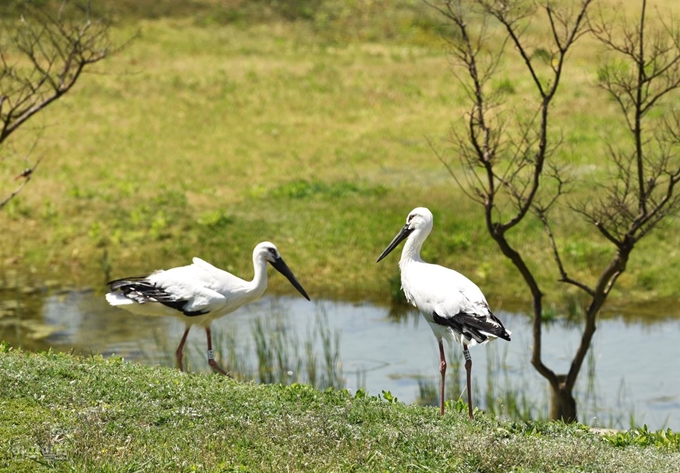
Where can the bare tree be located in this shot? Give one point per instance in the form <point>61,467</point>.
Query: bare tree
<point>510,161</point>
<point>42,56</point>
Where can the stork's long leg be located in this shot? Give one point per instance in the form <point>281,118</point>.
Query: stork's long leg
<point>211,355</point>
<point>468,369</point>
<point>179,354</point>
<point>442,370</point>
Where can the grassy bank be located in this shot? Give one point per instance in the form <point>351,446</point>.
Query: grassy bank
<point>65,413</point>
<point>220,128</point>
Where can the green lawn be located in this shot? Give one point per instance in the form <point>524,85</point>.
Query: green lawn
<point>223,126</point>
<point>64,413</point>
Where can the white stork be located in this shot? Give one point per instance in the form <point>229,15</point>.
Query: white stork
<point>198,293</point>
<point>453,306</point>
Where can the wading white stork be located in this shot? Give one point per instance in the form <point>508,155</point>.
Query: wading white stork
<point>198,293</point>
<point>453,306</point>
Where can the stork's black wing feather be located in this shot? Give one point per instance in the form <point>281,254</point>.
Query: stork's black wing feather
<point>117,283</point>
<point>140,289</point>
<point>474,327</point>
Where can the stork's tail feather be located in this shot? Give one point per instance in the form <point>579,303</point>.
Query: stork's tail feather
<point>117,299</point>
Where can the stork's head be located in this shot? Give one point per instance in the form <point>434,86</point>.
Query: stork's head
<point>268,252</point>
<point>420,218</point>
<point>419,221</point>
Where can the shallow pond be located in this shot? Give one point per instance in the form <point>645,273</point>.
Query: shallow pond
<point>633,370</point>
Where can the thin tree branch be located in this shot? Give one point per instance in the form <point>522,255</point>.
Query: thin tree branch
<point>564,277</point>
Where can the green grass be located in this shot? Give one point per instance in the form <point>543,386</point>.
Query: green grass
<point>225,125</point>
<point>65,413</point>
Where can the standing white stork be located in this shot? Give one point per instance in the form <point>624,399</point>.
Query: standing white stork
<point>453,306</point>
<point>198,293</point>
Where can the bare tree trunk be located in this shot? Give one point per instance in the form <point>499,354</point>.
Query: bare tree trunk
<point>562,402</point>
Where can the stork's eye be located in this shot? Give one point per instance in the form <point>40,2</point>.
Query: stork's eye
<point>409,218</point>
<point>272,252</point>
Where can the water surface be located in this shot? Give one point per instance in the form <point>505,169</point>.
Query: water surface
<point>633,368</point>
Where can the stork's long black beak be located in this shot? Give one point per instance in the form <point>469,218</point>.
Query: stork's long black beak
<point>401,236</point>
<point>283,268</point>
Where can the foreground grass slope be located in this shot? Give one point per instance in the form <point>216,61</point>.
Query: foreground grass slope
<point>65,413</point>
<point>225,125</point>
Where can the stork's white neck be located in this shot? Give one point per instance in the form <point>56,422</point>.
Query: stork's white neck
<point>259,283</point>
<point>412,246</point>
